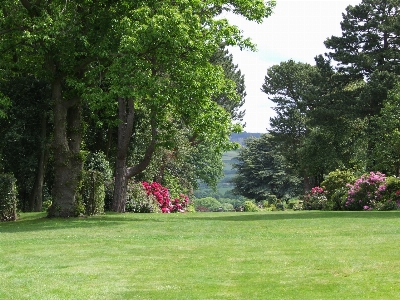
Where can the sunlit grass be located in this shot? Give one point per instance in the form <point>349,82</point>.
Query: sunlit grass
<point>269,255</point>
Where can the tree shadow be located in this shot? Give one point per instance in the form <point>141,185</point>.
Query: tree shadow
<point>43,223</point>
<point>40,223</point>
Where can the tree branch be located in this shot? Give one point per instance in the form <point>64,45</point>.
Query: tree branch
<point>140,167</point>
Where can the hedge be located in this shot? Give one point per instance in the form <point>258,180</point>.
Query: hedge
<point>8,198</point>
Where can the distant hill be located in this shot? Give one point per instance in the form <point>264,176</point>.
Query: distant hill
<point>241,137</point>
<point>229,158</point>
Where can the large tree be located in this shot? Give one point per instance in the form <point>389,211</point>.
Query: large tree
<point>169,75</point>
<point>370,38</point>
<point>56,41</point>
<point>387,135</point>
<point>262,171</point>
<point>369,50</point>
<point>289,85</point>
<point>336,122</point>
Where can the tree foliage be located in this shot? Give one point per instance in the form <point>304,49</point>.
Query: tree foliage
<point>262,171</point>
<point>124,58</point>
<point>330,118</point>
<point>370,38</point>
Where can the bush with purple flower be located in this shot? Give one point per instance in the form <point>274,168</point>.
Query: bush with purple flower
<point>366,192</point>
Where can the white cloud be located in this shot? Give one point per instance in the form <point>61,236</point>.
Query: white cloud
<point>296,30</point>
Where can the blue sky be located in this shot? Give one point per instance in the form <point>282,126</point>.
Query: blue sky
<point>296,30</point>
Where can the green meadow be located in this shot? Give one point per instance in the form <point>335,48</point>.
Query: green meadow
<point>266,255</point>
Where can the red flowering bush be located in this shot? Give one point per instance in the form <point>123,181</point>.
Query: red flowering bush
<point>315,199</point>
<point>162,196</point>
<point>138,201</point>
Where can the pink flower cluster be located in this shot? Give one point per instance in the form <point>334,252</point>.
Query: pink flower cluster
<point>316,199</point>
<point>163,198</point>
<point>317,190</point>
<point>366,191</point>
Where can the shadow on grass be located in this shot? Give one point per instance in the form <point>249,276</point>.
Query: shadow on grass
<point>38,222</point>
<point>268,216</point>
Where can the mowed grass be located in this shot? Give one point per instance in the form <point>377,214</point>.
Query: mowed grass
<point>267,255</point>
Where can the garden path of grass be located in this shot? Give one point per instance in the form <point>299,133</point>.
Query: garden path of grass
<point>265,255</point>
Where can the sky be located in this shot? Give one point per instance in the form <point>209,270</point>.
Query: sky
<point>296,30</point>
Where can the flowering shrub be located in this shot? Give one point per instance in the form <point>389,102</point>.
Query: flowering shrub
<point>391,196</point>
<point>366,192</point>
<point>315,199</point>
<point>138,201</point>
<point>162,196</point>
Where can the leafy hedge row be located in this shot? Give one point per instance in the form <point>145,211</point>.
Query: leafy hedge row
<point>92,193</point>
<point>8,198</point>
<point>341,190</point>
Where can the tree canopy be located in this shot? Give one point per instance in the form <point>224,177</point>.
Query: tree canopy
<point>125,59</point>
<point>341,112</point>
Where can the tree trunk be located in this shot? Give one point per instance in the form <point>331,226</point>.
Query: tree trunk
<point>36,197</point>
<point>125,128</point>
<point>123,173</point>
<point>67,158</point>
<point>306,184</point>
<point>144,163</point>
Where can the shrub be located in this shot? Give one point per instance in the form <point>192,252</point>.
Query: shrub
<point>250,206</point>
<point>279,205</point>
<point>391,195</point>
<point>294,202</point>
<point>337,180</point>
<point>92,192</point>
<point>8,198</point>
<point>227,207</point>
<point>46,204</point>
<point>162,196</point>
<point>138,201</point>
<point>272,199</point>
<point>298,206</point>
<point>109,194</point>
<point>190,208</point>
<point>338,199</point>
<point>366,192</point>
<point>207,204</point>
<point>315,199</point>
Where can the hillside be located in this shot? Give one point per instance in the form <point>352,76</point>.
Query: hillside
<point>229,158</point>
<point>241,137</point>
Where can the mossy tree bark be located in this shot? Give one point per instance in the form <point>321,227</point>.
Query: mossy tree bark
<point>68,161</point>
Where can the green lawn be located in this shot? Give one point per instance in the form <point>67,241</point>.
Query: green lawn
<point>269,255</point>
